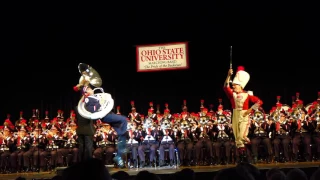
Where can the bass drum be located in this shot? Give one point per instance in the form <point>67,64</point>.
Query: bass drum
<point>106,102</point>
<point>285,107</point>
<point>307,107</point>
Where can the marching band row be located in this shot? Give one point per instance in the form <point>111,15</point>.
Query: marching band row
<point>287,133</point>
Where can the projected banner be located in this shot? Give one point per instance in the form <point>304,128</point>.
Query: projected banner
<point>162,57</point>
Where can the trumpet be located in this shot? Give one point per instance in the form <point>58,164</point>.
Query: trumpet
<point>68,129</point>
<point>296,114</point>
<point>32,135</point>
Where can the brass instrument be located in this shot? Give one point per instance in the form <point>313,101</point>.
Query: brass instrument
<point>165,125</point>
<point>92,76</point>
<point>296,114</point>
<point>203,120</point>
<point>221,119</point>
<point>148,123</point>
<point>316,116</point>
<point>176,127</point>
<point>275,115</point>
<point>129,126</point>
<point>184,125</point>
<point>258,116</point>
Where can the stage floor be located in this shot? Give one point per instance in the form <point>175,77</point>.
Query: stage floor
<point>163,170</point>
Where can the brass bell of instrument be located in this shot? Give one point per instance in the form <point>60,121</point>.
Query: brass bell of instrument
<point>90,74</point>
<point>165,125</point>
<point>184,124</point>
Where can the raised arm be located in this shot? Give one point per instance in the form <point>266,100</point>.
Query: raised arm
<point>226,86</point>
<point>226,83</point>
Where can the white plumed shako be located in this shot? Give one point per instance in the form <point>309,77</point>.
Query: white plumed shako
<point>242,77</point>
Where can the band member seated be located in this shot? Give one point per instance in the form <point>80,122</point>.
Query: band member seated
<point>222,136</point>
<point>105,140</point>
<point>7,146</point>
<point>185,144</point>
<point>149,141</point>
<point>68,146</point>
<point>52,136</point>
<point>204,140</point>
<point>133,140</point>
<point>118,122</point>
<point>302,128</point>
<point>282,137</point>
<point>38,145</point>
<point>167,142</point>
<point>23,146</point>
<point>316,133</point>
<point>263,132</point>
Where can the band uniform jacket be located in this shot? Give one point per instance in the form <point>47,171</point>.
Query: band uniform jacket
<point>304,127</point>
<point>284,128</point>
<point>268,130</point>
<point>195,133</point>
<point>215,132</point>
<point>136,135</point>
<point>135,117</point>
<point>139,135</point>
<point>92,104</point>
<point>184,135</point>
<point>110,137</point>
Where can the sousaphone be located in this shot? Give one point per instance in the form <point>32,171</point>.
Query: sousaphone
<point>92,76</point>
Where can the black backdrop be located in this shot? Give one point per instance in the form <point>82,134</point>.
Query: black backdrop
<point>277,44</point>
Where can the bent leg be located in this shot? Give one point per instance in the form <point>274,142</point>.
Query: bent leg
<point>118,122</point>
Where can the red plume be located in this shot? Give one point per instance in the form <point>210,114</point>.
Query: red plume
<point>240,68</point>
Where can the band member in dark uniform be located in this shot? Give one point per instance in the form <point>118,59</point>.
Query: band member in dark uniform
<point>222,135</point>
<point>133,140</point>
<point>302,128</point>
<point>8,145</point>
<point>85,131</point>
<point>316,133</point>
<point>52,136</point>
<point>149,142</point>
<point>22,146</point>
<point>204,140</point>
<point>167,142</point>
<point>263,132</point>
<point>105,138</point>
<point>185,145</point>
<point>282,137</point>
<point>34,151</point>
